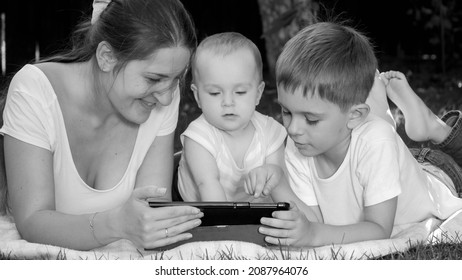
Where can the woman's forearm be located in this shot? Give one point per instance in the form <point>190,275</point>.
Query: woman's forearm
<point>69,231</point>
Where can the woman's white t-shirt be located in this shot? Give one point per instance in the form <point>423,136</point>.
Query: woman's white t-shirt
<point>32,114</point>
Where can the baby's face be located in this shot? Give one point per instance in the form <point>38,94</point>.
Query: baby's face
<point>227,88</point>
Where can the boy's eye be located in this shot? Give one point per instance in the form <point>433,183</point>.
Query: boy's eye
<point>311,122</point>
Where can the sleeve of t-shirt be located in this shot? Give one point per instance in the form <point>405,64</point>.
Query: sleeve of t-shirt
<point>299,175</point>
<point>202,133</point>
<point>276,135</point>
<point>25,117</point>
<point>170,120</point>
<point>378,171</point>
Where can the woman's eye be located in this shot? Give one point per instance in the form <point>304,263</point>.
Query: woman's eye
<point>285,113</point>
<point>153,80</point>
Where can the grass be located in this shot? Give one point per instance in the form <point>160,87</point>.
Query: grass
<point>444,250</point>
<point>444,247</point>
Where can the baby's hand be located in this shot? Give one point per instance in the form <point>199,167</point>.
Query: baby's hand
<point>288,228</point>
<point>261,180</point>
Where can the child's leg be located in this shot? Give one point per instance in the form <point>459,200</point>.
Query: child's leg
<point>421,124</point>
<point>377,101</point>
<point>452,145</point>
<point>444,162</point>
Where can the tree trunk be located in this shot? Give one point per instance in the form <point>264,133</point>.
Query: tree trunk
<point>281,20</point>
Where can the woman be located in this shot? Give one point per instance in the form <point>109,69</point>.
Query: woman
<point>88,134</point>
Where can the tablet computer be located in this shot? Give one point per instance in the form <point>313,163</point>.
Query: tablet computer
<point>237,221</point>
<point>230,213</point>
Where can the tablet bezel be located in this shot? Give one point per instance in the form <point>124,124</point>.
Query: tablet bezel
<point>229,213</point>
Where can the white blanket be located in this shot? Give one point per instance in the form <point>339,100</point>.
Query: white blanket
<point>403,237</point>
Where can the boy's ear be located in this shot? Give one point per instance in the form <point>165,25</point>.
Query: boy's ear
<point>105,57</point>
<point>196,95</point>
<point>357,114</point>
<point>260,89</point>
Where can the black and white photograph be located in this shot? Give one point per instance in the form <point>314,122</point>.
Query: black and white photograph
<point>270,133</point>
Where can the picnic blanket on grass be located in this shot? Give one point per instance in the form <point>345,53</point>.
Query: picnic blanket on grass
<point>403,237</point>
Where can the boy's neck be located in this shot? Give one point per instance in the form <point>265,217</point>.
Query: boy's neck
<point>329,162</point>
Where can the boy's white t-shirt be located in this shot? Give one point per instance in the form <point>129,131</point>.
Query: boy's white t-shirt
<point>32,114</point>
<point>268,137</point>
<point>378,166</point>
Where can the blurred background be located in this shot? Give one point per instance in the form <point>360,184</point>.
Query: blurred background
<point>422,38</point>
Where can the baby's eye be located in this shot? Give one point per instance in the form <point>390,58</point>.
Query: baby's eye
<point>241,92</point>
<point>214,93</point>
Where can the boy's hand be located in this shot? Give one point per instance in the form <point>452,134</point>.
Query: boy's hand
<point>288,228</point>
<point>261,180</point>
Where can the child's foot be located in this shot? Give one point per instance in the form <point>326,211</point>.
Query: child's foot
<point>421,124</point>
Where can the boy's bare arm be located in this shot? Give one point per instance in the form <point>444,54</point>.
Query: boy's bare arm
<point>292,228</point>
<point>272,180</point>
<point>204,171</point>
<point>377,224</point>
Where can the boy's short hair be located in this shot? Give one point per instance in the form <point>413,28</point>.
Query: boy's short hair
<point>226,43</point>
<point>334,61</point>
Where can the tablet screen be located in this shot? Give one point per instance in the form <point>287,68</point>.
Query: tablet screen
<point>230,213</point>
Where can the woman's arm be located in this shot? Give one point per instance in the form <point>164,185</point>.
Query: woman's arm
<point>204,170</point>
<point>157,167</point>
<point>29,172</point>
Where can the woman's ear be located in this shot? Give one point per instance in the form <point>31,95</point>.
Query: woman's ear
<point>105,57</point>
<point>260,89</point>
<point>196,96</point>
<point>357,114</point>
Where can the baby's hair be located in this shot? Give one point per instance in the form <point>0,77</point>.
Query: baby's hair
<point>225,43</point>
<point>334,61</point>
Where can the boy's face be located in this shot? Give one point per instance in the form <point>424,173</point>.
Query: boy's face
<point>227,88</point>
<point>317,126</point>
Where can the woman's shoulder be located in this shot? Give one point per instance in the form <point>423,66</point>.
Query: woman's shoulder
<point>29,73</point>
<point>56,73</point>
<point>41,73</point>
<point>43,81</point>
<point>30,81</point>
<point>65,80</point>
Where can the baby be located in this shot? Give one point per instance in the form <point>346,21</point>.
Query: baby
<point>230,149</point>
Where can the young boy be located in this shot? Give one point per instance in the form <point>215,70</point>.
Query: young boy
<point>346,163</point>
<point>230,148</point>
